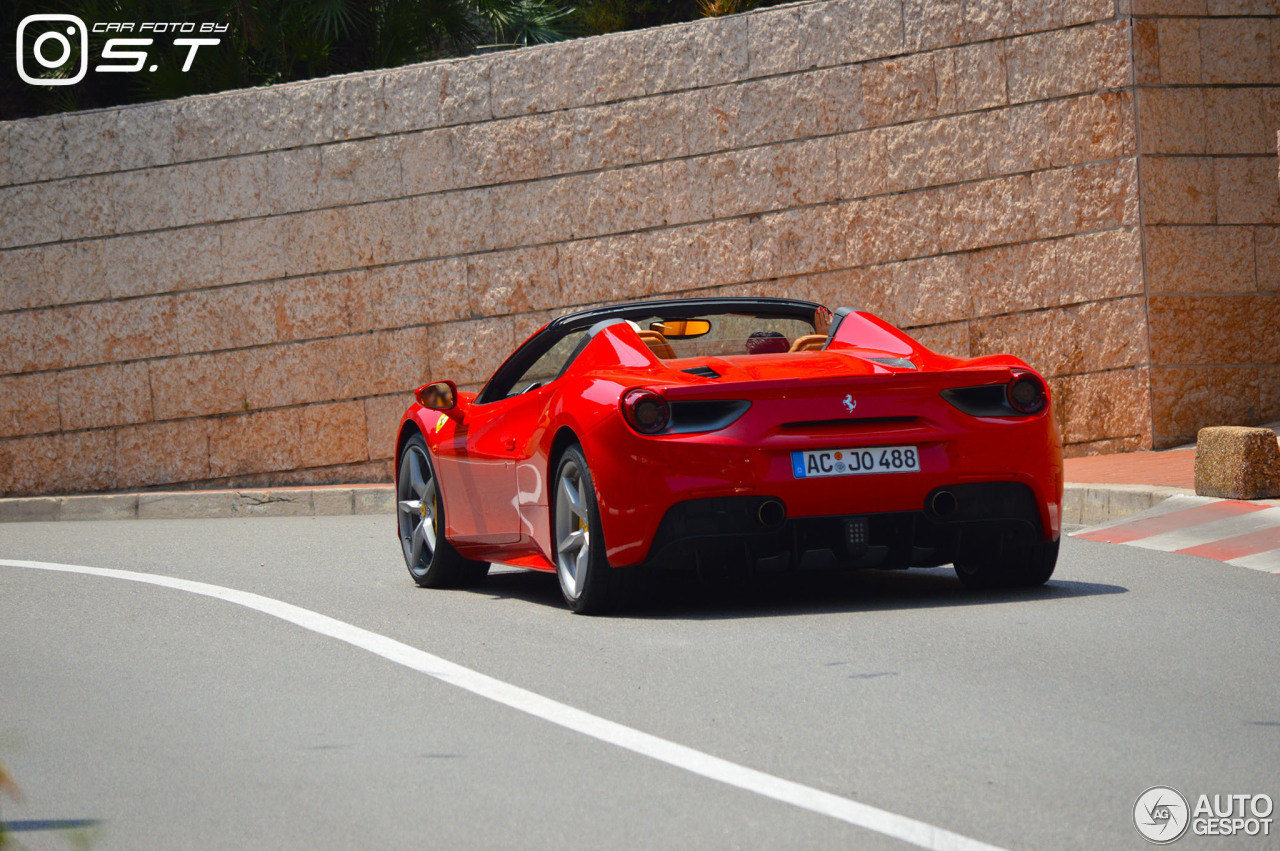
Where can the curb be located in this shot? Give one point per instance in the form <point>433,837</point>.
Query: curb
<point>1090,504</point>
<point>1082,504</point>
<point>324,501</point>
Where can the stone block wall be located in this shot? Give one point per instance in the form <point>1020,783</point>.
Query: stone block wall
<point>1208,94</point>
<point>242,288</point>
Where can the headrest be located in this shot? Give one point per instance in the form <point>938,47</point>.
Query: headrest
<point>767,343</point>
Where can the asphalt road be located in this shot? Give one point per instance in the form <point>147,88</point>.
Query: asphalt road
<point>136,716</point>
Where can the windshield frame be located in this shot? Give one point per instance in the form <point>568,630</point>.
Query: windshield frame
<point>504,377</point>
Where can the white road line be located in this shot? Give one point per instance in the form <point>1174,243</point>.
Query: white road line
<point>910,830</point>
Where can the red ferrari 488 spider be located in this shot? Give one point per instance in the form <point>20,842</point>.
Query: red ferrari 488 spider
<point>718,434</point>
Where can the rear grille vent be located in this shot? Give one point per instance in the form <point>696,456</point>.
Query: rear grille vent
<point>704,371</point>
<point>710,415</point>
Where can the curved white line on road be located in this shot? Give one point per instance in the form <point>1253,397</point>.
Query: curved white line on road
<point>714,768</point>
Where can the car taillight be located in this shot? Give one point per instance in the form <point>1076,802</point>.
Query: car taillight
<point>1023,395</point>
<point>1026,394</point>
<point>645,411</point>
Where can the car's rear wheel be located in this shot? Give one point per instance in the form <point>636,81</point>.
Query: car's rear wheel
<point>431,559</point>
<point>587,582</point>
<point>1021,567</point>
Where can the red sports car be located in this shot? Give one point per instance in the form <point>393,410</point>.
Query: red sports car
<point>718,434</point>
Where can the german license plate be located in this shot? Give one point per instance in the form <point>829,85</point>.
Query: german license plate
<point>855,462</point>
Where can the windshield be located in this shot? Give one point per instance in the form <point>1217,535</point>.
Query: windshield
<point>672,329</point>
<point>721,334</point>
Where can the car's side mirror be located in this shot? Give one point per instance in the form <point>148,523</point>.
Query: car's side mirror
<point>438,395</point>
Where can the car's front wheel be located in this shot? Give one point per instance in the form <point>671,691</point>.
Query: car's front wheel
<point>587,582</point>
<point>1021,567</point>
<point>431,559</point>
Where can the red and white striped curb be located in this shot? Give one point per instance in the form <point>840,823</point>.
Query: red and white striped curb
<point>1241,533</point>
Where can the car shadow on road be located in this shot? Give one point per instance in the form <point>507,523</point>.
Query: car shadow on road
<point>683,596</point>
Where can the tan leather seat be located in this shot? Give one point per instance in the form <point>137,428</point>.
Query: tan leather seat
<point>809,343</point>
<point>657,344</point>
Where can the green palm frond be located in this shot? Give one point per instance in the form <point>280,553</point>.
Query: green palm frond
<point>526,22</point>
<point>332,19</point>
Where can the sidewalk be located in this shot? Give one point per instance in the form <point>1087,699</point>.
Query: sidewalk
<point>1099,489</point>
<point>317,501</point>
<point>1103,488</point>
<point>1143,499</point>
<point>1171,468</point>
<point>1173,518</point>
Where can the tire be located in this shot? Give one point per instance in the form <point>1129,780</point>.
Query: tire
<point>587,581</point>
<point>1023,567</point>
<point>431,559</point>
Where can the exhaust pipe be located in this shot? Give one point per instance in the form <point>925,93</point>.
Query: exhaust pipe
<point>943,503</point>
<point>771,514</point>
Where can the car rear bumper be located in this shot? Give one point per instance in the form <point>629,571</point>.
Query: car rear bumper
<point>641,481</point>
<point>959,521</point>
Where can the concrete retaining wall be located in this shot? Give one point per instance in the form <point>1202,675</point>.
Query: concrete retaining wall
<point>240,289</point>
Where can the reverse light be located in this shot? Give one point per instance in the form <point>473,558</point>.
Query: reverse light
<point>645,411</point>
<point>1026,394</point>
